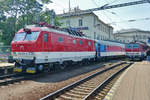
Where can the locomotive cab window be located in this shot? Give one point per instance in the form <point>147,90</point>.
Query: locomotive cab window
<point>19,36</point>
<point>45,37</point>
<point>23,36</point>
<point>31,36</point>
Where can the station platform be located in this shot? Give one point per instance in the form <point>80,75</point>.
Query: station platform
<point>6,64</point>
<point>134,83</point>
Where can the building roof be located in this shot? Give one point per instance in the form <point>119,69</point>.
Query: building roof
<point>80,13</point>
<point>131,30</point>
<point>74,13</point>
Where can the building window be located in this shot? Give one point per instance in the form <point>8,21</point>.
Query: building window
<point>94,21</point>
<point>68,23</point>
<point>74,41</point>
<point>60,39</point>
<point>80,22</point>
<point>98,37</point>
<point>94,35</point>
<point>45,37</point>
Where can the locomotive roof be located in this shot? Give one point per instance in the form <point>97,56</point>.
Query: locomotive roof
<point>58,30</point>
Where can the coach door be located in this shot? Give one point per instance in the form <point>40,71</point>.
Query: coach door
<point>46,42</point>
<point>98,51</point>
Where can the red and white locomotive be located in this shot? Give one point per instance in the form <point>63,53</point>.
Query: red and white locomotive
<point>136,50</point>
<point>44,47</point>
<point>35,47</point>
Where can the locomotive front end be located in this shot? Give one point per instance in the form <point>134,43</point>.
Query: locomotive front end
<point>22,49</point>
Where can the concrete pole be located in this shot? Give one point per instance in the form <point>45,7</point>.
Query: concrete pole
<point>52,17</point>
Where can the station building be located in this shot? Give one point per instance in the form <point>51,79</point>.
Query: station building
<point>1,43</point>
<point>131,35</point>
<point>88,23</point>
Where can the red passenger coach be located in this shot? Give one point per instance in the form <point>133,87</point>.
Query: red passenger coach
<point>36,48</point>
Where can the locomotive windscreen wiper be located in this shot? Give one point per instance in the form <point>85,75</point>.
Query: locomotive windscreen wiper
<point>28,31</point>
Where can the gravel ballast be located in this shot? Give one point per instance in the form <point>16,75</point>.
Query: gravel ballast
<point>37,88</point>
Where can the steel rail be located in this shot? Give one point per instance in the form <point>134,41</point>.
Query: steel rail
<point>18,77</point>
<point>68,87</point>
<point>6,82</point>
<point>104,83</point>
<point>9,75</point>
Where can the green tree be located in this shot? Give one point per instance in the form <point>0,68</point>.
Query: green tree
<point>15,14</point>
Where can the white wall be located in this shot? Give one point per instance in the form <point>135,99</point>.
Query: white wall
<point>132,36</point>
<point>100,29</point>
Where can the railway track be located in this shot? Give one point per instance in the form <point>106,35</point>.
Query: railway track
<point>86,88</point>
<point>9,75</point>
<point>11,78</point>
<point>6,70</point>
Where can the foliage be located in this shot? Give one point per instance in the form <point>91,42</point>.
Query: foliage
<point>15,14</point>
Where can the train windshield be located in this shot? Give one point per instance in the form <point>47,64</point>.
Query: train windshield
<point>135,46</point>
<point>132,46</point>
<point>32,36</point>
<point>19,36</point>
<point>128,46</point>
<point>23,36</point>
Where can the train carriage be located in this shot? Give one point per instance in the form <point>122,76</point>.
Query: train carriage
<point>110,49</point>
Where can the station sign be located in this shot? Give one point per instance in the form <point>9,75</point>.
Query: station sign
<point>79,28</point>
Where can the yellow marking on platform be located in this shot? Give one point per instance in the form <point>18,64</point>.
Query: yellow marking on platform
<point>107,97</point>
<point>109,93</point>
<point>111,90</point>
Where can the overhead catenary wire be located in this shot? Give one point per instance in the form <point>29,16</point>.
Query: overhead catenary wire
<point>94,2</point>
<point>132,20</point>
<point>102,12</point>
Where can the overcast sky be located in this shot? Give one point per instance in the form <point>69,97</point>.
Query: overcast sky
<point>117,15</point>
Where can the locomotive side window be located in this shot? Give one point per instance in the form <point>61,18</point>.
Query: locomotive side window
<point>81,42</point>
<point>74,41</point>
<point>60,39</point>
<point>89,43</point>
<point>45,37</point>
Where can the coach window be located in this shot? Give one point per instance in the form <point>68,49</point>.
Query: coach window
<point>60,39</point>
<point>74,41</point>
<point>94,44</point>
<point>81,42</point>
<point>89,43</point>
<point>45,37</point>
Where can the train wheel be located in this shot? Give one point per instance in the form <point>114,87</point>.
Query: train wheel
<point>40,68</point>
<point>62,66</point>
